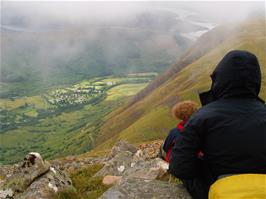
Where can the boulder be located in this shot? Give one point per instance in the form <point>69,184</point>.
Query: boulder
<point>45,187</point>
<point>26,172</point>
<point>122,146</point>
<point>117,165</point>
<point>136,165</point>
<point>147,169</point>
<point>133,188</point>
<point>34,178</point>
<point>139,175</point>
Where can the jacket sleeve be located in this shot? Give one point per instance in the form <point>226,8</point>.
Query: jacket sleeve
<point>170,139</point>
<point>184,163</point>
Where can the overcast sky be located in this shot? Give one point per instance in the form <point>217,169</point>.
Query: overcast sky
<point>78,12</point>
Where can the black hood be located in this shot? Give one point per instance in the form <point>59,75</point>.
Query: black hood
<point>237,75</point>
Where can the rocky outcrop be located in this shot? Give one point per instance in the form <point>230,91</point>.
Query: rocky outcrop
<point>33,178</point>
<point>135,173</point>
<point>142,162</point>
<point>130,188</point>
<point>122,146</point>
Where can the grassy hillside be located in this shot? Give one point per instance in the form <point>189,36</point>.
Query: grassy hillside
<point>148,116</point>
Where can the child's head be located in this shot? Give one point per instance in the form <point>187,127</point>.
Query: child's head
<point>183,110</point>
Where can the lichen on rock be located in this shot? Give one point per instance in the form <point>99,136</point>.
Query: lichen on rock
<point>138,174</point>
<point>34,178</point>
<point>134,188</point>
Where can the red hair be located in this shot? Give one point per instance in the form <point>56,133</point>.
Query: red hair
<point>183,110</point>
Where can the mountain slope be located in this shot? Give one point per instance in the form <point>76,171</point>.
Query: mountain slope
<point>148,116</point>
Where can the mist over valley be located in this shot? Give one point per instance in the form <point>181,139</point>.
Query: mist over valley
<point>77,76</point>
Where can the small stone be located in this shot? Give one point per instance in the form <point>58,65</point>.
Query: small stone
<point>8,175</point>
<point>139,153</point>
<point>53,170</point>
<point>121,168</point>
<point>36,155</point>
<point>110,180</point>
<point>162,164</point>
<point>50,185</point>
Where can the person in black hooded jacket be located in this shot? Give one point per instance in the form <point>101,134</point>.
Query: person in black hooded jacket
<point>230,128</point>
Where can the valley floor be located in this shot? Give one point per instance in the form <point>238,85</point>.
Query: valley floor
<point>65,120</point>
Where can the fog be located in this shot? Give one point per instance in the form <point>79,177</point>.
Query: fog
<point>51,40</point>
<point>41,13</point>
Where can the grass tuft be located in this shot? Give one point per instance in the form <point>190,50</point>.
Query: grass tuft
<point>86,186</point>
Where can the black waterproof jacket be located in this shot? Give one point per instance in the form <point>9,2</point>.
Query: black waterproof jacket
<point>230,129</point>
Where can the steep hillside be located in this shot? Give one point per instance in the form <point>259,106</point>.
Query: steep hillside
<point>148,116</point>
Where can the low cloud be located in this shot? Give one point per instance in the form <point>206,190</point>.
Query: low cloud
<point>44,13</point>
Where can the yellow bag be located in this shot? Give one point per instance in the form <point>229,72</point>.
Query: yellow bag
<point>242,186</point>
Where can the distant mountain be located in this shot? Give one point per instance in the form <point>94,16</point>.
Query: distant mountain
<point>147,116</point>
<point>63,53</point>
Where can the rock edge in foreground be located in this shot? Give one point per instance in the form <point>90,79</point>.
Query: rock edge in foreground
<point>34,178</point>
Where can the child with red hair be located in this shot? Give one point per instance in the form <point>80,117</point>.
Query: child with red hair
<point>181,111</point>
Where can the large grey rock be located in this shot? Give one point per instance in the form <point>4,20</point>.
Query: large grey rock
<point>139,173</point>
<point>122,146</point>
<point>133,165</point>
<point>147,169</point>
<point>117,165</point>
<point>34,178</point>
<point>45,187</point>
<point>26,172</point>
<point>131,188</point>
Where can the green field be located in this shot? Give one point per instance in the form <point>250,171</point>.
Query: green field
<point>63,120</point>
<point>124,90</point>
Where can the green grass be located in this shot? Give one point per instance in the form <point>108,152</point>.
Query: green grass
<point>124,90</point>
<point>152,126</point>
<point>158,121</point>
<point>87,186</point>
<point>31,113</point>
<point>37,101</point>
<point>67,133</point>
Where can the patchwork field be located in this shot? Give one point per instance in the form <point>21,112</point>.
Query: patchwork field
<point>63,121</point>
